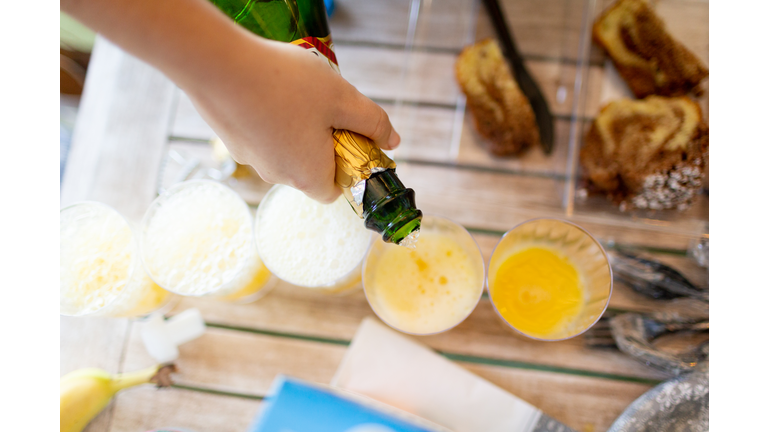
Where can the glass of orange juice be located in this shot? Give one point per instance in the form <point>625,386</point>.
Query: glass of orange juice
<point>100,269</point>
<point>429,289</point>
<point>197,239</point>
<point>549,279</point>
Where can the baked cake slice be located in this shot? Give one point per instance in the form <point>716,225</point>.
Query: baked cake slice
<point>647,154</point>
<point>646,56</point>
<point>500,111</point>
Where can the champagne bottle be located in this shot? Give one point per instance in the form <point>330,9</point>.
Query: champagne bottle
<point>365,174</point>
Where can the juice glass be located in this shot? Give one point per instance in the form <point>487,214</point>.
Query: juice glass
<point>549,279</point>
<point>429,289</point>
<point>308,244</point>
<point>100,268</point>
<point>196,239</point>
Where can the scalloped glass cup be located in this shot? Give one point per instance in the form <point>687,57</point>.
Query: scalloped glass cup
<point>311,245</point>
<point>580,248</point>
<point>430,289</point>
<point>100,268</point>
<point>197,240</point>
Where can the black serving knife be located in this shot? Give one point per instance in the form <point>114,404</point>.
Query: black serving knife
<point>524,79</point>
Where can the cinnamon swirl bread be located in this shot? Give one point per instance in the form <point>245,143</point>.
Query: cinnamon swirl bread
<point>647,154</point>
<point>646,56</point>
<point>500,111</point>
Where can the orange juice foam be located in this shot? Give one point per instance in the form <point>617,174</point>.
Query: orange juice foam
<point>100,273</point>
<point>426,290</point>
<point>538,291</point>
<point>310,244</point>
<point>198,240</point>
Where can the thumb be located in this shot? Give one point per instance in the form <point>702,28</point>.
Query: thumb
<point>362,115</point>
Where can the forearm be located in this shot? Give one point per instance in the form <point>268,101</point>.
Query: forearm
<point>189,40</point>
<point>274,104</point>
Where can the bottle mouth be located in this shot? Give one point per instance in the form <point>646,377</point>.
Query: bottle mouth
<point>390,208</point>
<point>402,226</point>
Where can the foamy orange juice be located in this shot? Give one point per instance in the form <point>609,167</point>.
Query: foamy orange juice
<point>197,240</point>
<point>549,279</point>
<point>431,288</point>
<point>100,269</point>
<point>308,244</point>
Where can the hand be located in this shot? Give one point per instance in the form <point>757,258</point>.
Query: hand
<point>275,106</point>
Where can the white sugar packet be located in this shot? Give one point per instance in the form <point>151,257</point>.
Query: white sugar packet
<point>392,368</point>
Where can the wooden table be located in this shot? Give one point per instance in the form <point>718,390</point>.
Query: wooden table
<point>401,54</point>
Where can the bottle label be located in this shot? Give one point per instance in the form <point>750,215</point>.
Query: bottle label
<point>357,157</point>
<point>320,47</point>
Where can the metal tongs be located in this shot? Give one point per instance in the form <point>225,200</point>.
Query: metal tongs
<point>634,334</point>
<point>524,80</point>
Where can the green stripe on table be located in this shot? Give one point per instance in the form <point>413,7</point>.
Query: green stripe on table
<point>295,336</point>
<point>217,392</point>
<point>648,249</point>
<point>544,368</point>
<point>452,356</point>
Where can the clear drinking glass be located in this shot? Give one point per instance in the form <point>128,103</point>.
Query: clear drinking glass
<point>308,244</point>
<point>100,268</point>
<point>543,285</point>
<point>429,289</point>
<point>196,239</point>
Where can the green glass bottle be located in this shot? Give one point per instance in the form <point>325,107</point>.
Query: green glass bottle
<point>389,208</point>
<point>365,174</point>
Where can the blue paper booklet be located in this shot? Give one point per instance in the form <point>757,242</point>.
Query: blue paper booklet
<point>298,406</point>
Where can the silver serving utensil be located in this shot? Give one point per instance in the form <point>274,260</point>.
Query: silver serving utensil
<point>652,278</point>
<point>679,404</point>
<point>635,333</point>
<point>524,79</point>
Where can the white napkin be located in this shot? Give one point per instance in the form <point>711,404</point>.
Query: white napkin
<point>387,366</point>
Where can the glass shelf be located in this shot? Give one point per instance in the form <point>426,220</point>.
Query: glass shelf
<point>407,66</point>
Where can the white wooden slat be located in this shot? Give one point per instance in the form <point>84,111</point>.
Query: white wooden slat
<point>241,362</point>
<point>377,72</point>
<point>145,408</point>
<point>111,159</point>
<point>441,24</point>
<point>584,404</point>
<point>370,21</point>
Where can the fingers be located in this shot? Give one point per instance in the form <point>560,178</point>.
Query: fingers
<point>320,188</point>
<point>362,115</point>
<point>321,192</point>
<point>316,177</point>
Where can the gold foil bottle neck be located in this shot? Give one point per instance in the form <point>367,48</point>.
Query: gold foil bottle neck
<point>357,158</point>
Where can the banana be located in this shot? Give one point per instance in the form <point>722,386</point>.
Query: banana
<point>85,392</point>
